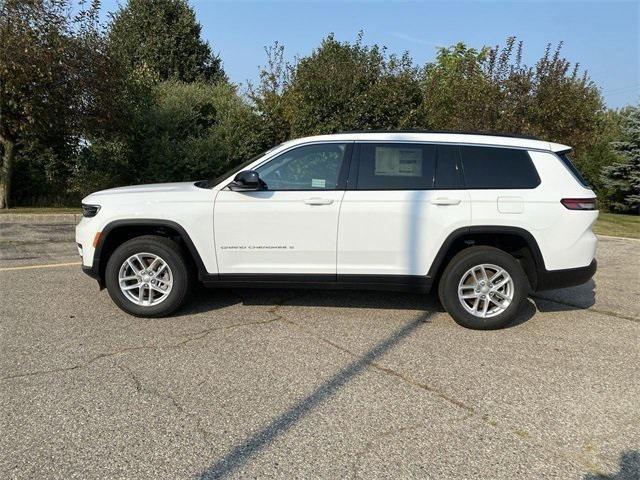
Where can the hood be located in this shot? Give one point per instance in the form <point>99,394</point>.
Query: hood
<point>153,191</point>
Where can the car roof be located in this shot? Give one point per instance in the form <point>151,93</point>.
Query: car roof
<point>437,137</point>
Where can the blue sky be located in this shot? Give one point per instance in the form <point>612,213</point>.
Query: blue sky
<point>603,36</point>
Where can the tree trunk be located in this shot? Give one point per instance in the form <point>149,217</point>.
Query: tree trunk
<point>6,172</point>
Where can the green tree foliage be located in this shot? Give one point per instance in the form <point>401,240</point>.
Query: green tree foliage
<point>456,92</point>
<point>180,131</point>
<point>622,179</point>
<point>267,97</point>
<point>147,105</point>
<point>195,130</point>
<point>343,86</point>
<point>54,73</point>
<point>492,90</point>
<point>164,37</point>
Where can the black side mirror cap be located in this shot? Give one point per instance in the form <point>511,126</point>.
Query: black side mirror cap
<point>246,181</point>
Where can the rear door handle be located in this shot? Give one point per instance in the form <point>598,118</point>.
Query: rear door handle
<point>318,201</point>
<point>445,201</point>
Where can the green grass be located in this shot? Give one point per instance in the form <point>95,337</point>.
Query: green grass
<point>40,210</point>
<point>617,225</point>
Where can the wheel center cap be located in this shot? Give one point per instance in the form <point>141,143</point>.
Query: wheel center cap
<point>146,278</point>
<point>485,289</point>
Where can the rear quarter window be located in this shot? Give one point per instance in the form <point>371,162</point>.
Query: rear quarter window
<point>572,168</point>
<point>498,168</point>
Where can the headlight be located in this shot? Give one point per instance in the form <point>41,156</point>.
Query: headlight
<point>90,210</point>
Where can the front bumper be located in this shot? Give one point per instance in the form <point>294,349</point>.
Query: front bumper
<point>570,277</point>
<point>93,273</point>
<point>86,232</point>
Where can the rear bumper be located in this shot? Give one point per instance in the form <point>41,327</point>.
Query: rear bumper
<point>552,279</point>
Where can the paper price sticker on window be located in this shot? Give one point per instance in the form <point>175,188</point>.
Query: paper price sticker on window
<point>401,162</point>
<point>318,183</point>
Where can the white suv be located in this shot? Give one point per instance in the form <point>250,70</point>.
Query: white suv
<point>487,218</point>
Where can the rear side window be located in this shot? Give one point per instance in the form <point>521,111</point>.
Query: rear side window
<point>396,166</point>
<point>498,168</point>
<point>572,168</point>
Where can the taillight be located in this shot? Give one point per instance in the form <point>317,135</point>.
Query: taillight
<point>580,203</point>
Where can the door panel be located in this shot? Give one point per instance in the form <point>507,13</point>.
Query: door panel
<point>276,232</point>
<point>397,232</point>
<point>291,226</point>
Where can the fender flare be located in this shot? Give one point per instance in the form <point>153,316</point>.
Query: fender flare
<point>459,233</point>
<point>95,269</point>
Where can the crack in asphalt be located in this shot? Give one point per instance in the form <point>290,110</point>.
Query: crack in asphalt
<point>191,338</point>
<point>608,313</point>
<point>137,383</point>
<point>386,370</point>
<point>452,401</point>
<point>280,317</point>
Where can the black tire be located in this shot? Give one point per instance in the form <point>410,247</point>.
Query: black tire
<point>175,258</point>
<point>456,269</point>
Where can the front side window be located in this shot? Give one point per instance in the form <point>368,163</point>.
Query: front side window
<point>498,168</point>
<point>396,166</point>
<point>310,167</point>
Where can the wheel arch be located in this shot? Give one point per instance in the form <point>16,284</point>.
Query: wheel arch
<point>119,231</point>
<point>514,240</point>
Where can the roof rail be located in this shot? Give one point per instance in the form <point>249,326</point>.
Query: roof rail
<point>459,132</point>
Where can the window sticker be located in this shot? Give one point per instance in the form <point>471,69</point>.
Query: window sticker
<point>318,183</point>
<point>398,162</point>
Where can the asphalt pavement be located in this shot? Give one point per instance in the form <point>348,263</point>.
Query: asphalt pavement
<point>311,384</point>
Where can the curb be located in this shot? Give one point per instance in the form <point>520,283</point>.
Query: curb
<point>64,218</point>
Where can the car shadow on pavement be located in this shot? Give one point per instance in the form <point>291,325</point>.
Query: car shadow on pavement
<point>566,299</point>
<point>629,468</point>
<point>206,299</point>
<point>244,451</point>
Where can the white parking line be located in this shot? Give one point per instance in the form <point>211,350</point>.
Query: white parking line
<point>30,267</point>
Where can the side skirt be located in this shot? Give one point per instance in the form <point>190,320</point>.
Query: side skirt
<point>396,283</point>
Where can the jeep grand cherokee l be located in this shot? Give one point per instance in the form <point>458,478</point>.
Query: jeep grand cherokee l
<point>487,219</point>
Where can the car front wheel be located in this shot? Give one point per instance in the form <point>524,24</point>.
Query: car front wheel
<point>483,287</point>
<point>148,276</point>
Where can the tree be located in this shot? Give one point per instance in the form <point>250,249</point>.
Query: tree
<point>52,68</point>
<point>268,97</point>
<point>343,86</point>
<point>622,179</point>
<point>492,90</point>
<point>456,93</point>
<point>163,36</point>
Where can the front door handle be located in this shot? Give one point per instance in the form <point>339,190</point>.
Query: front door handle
<point>318,201</point>
<point>445,201</point>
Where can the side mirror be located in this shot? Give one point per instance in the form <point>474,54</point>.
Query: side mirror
<point>246,181</point>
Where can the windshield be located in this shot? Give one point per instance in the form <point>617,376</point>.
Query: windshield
<point>220,178</point>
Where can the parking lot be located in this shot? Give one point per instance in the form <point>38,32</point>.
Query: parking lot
<point>311,384</point>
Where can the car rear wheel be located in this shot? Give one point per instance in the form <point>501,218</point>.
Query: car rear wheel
<point>148,276</point>
<point>483,287</point>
